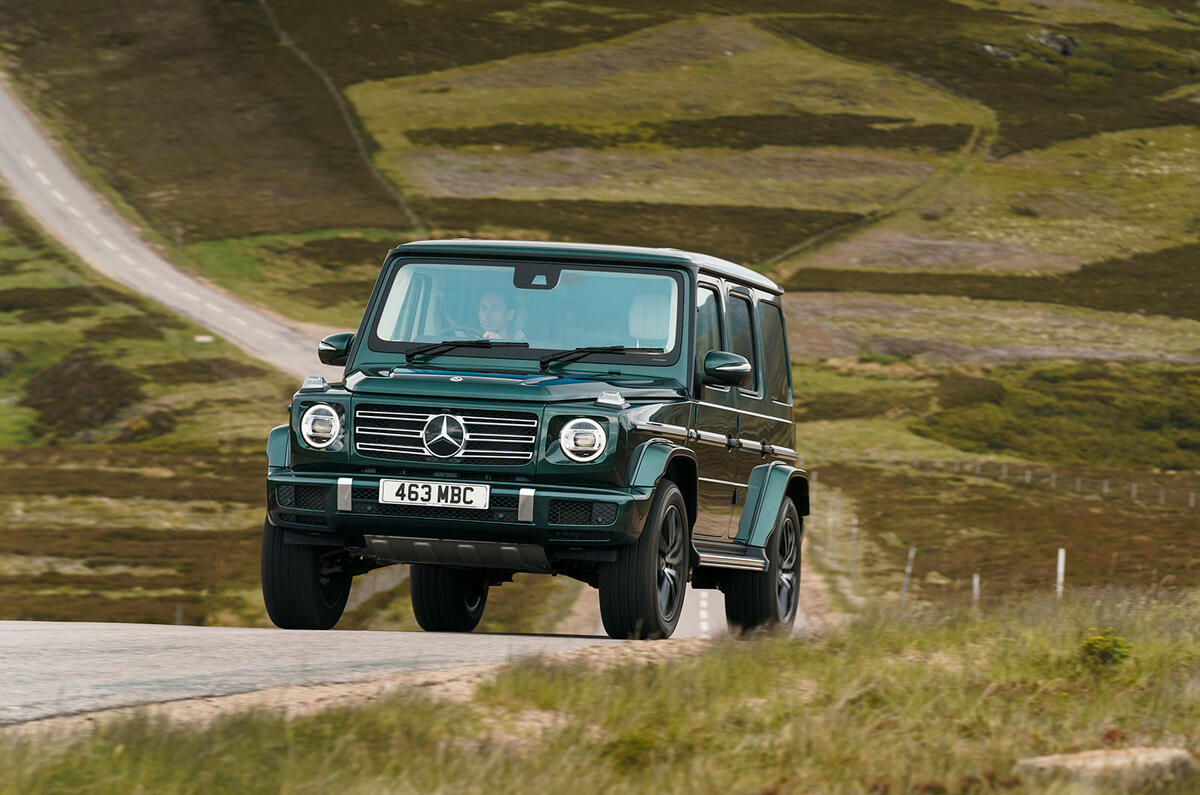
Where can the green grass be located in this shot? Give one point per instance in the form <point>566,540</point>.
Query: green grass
<point>1157,283</point>
<point>1115,416</point>
<point>936,700</point>
<point>135,452</point>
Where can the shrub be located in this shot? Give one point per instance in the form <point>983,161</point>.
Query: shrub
<point>1103,651</point>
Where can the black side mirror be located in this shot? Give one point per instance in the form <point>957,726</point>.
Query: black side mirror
<point>723,367</point>
<point>335,348</point>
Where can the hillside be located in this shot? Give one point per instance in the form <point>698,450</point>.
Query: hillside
<point>985,210</point>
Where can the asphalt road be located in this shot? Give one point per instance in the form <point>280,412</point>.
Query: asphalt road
<point>51,668</point>
<point>39,177</point>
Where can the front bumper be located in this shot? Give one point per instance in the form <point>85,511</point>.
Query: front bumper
<point>344,509</point>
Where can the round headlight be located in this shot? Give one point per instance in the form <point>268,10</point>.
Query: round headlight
<point>582,439</point>
<point>320,426</point>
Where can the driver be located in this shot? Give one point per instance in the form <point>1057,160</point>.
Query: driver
<point>497,316</point>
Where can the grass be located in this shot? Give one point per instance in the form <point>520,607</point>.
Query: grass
<point>1107,415</point>
<point>1157,283</point>
<point>930,701</point>
<point>121,491</point>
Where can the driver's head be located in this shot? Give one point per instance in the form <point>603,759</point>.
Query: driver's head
<point>495,314</point>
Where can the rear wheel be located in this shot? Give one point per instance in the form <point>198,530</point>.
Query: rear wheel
<point>768,599</point>
<point>447,600</point>
<point>304,587</point>
<point>641,593</point>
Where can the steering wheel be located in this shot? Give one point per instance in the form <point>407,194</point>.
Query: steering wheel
<point>459,332</point>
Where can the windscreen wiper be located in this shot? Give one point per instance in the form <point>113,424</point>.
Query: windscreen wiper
<point>578,353</point>
<point>434,348</point>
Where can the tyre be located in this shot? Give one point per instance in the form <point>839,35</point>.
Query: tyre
<point>304,587</point>
<point>447,600</point>
<point>641,593</point>
<point>768,599</point>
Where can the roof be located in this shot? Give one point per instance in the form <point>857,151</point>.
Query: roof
<point>704,262</point>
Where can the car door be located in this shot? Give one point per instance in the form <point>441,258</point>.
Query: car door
<point>752,423</point>
<point>713,423</point>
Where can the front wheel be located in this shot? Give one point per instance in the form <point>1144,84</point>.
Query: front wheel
<point>447,600</point>
<point>304,587</point>
<point>768,599</point>
<point>641,593</point>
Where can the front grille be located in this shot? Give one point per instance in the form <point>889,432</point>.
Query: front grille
<point>492,437</point>
<point>309,498</point>
<point>582,512</point>
<point>501,508</point>
<point>292,518</point>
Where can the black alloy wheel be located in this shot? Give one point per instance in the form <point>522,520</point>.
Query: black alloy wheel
<point>671,555</point>
<point>642,592</point>
<point>768,599</point>
<point>788,581</point>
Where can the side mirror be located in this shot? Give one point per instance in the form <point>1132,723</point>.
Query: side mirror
<point>723,367</point>
<point>335,348</point>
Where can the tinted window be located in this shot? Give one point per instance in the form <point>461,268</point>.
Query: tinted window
<point>741,335</point>
<point>708,326</point>
<point>775,358</point>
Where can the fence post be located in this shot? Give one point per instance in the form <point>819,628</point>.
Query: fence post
<point>912,553</point>
<point>1028,476</point>
<point>1104,486</point>
<point>975,591</point>
<point>1062,569</point>
<point>855,554</point>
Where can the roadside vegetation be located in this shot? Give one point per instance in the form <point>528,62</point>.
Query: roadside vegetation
<point>132,442</point>
<point>933,700</point>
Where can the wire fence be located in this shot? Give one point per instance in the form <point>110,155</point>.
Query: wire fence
<point>1154,489</point>
<point>838,543</point>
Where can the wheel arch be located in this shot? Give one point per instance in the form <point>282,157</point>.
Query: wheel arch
<point>658,459</point>
<point>769,485</point>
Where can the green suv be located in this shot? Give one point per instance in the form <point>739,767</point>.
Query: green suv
<point>618,415</point>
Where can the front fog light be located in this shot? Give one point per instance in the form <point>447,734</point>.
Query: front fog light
<point>320,426</point>
<point>582,439</point>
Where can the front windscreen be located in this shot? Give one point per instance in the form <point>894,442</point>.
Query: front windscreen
<point>548,307</point>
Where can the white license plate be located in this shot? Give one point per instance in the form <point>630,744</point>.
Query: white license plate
<point>437,494</point>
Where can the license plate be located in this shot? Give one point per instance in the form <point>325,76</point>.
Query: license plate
<point>436,494</point>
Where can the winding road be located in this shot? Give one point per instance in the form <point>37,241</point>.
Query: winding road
<point>42,180</point>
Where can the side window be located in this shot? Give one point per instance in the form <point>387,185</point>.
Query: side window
<point>741,336</point>
<point>775,358</point>
<point>708,325</point>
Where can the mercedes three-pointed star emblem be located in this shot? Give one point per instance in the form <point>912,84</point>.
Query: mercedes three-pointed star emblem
<point>444,435</point>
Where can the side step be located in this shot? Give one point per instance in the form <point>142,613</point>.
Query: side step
<point>731,556</point>
<point>469,554</point>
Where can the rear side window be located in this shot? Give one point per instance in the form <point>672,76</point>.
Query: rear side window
<point>741,336</point>
<point>775,358</point>
<point>708,325</point>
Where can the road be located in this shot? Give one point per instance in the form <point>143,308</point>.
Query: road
<point>41,179</point>
<point>52,668</point>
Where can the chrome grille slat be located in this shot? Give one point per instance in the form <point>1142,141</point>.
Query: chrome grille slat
<point>501,437</point>
<point>390,447</point>
<point>389,432</point>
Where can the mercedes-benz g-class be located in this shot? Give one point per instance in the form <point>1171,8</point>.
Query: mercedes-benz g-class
<point>618,415</point>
